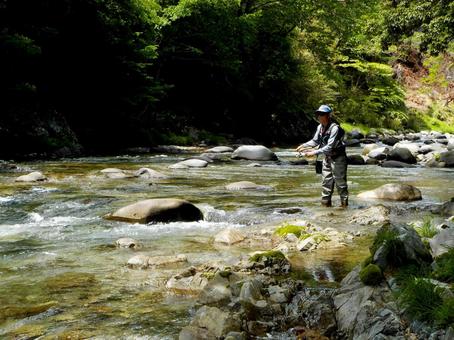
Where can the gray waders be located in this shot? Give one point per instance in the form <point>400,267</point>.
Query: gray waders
<point>334,171</point>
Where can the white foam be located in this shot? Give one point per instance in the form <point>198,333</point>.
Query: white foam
<point>6,199</point>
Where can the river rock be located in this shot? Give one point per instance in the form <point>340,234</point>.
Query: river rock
<point>352,142</point>
<point>412,147</point>
<point>375,215</point>
<point>229,236</point>
<point>127,242</point>
<point>364,312</point>
<point>189,163</point>
<point>138,261</point>
<point>442,242</point>
<point>115,173</point>
<point>250,294</point>
<point>34,176</point>
<point>379,153</point>
<point>394,192</point>
<point>195,333</point>
<point>110,170</point>
<point>213,157</point>
<point>355,160</point>
<point>162,261</point>
<point>356,134</point>
<point>246,185</point>
<point>447,208</point>
<point>425,149</point>
<point>254,153</point>
<point>215,321</point>
<point>368,148</point>
<point>148,173</point>
<point>371,161</point>
<point>447,158</point>
<point>217,291</point>
<point>390,140</point>
<point>190,281</point>
<point>220,149</point>
<point>395,164</point>
<point>157,210</point>
<point>402,155</point>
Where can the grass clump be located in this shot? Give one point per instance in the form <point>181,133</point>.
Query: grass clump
<point>444,314</point>
<point>444,269</point>
<point>371,275</point>
<point>286,229</point>
<point>427,229</point>
<point>393,247</point>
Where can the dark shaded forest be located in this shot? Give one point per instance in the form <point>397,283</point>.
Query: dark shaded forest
<point>99,76</point>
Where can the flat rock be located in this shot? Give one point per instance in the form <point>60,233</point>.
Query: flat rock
<point>246,185</point>
<point>394,192</point>
<point>157,210</point>
<point>189,163</point>
<point>34,176</point>
<point>229,236</point>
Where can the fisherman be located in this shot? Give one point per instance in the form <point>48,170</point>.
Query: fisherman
<point>329,140</point>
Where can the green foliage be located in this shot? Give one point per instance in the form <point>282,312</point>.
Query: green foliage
<point>444,268</point>
<point>427,229</point>
<point>421,298</point>
<point>392,247</point>
<point>444,314</point>
<point>371,275</point>
<point>290,229</point>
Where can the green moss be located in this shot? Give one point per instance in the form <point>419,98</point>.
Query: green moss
<point>273,254</point>
<point>368,260</point>
<point>393,247</point>
<point>290,229</point>
<point>208,275</point>
<point>371,275</point>
<point>444,269</point>
<point>348,127</point>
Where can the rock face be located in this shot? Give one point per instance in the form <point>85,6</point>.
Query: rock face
<point>363,312</point>
<point>229,236</point>
<point>254,153</point>
<point>157,210</point>
<point>442,242</point>
<point>35,176</point>
<point>394,192</point>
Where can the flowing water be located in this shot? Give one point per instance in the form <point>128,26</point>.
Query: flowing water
<point>61,275</point>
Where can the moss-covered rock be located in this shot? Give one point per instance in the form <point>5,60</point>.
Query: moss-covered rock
<point>272,254</point>
<point>371,275</point>
<point>296,230</point>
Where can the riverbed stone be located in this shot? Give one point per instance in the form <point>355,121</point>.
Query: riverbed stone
<point>35,176</point>
<point>127,242</point>
<point>379,153</point>
<point>447,208</point>
<point>447,158</point>
<point>162,261</point>
<point>189,163</point>
<point>442,242</point>
<point>148,173</point>
<point>394,192</point>
<point>412,147</point>
<point>217,291</point>
<point>220,149</point>
<point>138,261</point>
<point>375,215</point>
<point>355,160</point>
<point>395,164</point>
<point>254,153</point>
<point>390,140</point>
<point>246,185</point>
<point>368,148</point>
<point>402,155</point>
<point>189,281</point>
<point>157,210</point>
<point>229,236</point>
<point>216,321</point>
<point>195,333</point>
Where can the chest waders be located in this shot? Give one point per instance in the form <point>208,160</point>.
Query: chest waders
<point>334,168</point>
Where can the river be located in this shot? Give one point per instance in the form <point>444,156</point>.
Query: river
<point>61,274</point>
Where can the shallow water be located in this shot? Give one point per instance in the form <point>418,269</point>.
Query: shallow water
<point>61,275</point>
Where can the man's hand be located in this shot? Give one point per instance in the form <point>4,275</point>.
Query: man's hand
<point>308,154</point>
<point>301,148</point>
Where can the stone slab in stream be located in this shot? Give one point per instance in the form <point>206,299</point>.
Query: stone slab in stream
<point>254,153</point>
<point>157,210</point>
<point>35,176</point>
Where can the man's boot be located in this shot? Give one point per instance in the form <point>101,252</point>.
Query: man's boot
<point>326,203</point>
<point>344,203</point>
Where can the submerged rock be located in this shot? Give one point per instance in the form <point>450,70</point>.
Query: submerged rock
<point>189,163</point>
<point>35,176</point>
<point>246,185</point>
<point>149,173</point>
<point>254,153</point>
<point>393,191</point>
<point>127,242</point>
<point>157,210</point>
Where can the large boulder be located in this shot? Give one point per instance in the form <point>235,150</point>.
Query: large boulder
<point>402,155</point>
<point>254,153</point>
<point>394,192</point>
<point>447,158</point>
<point>442,242</point>
<point>379,153</point>
<point>35,176</point>
<point>412,147</point>
<point>157,210</point>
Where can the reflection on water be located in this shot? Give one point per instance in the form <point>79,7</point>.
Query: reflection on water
<point>61,275</point>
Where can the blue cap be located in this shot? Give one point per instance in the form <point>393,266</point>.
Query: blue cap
<point>323,109</point>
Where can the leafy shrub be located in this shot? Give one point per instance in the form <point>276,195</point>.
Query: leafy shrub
<point>371,275</point>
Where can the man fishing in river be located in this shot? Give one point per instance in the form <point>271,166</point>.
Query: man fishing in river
<point>329,140</point>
